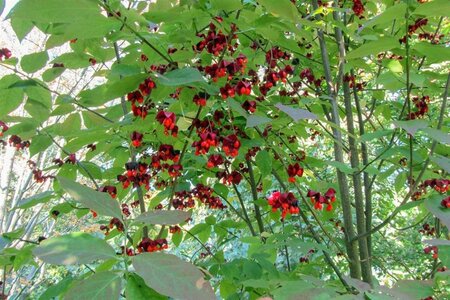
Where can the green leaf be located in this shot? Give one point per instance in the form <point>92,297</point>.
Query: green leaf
<point>10,99</point>
<point>374,135</point>
<point>228,5</point>
<point>73,60</point>
<point>433,205</point>
<point>39,144</point>
<point>221,190</point>
<point>394,12</point>
<point>73,248</point>
<point>33,62</point>
<point>57,289</point>
<point>281,8</point>
<point>171,276</point>
<point>52,73</point>
<point>100,286</point>
<point>21,27</point>
<point>438,135</point>
<point>177,238</point>
<point>37,110</point>
<point>374,47</point>
<point>434,8</point>
<point>264,162</point>
<point>395,67</point>
<point>417,289</point>
<point>254,120</point>
<point>101,203</point>
<point>2,6</point>
<point>411,126</point>
<point>163,217</point>
<point>296,113</point>
<point>433,53</point>
<point>179,77</point>
<point>442,162</point>
<point>55,11</point>
<point>137,290</point>
<point>34,200</point>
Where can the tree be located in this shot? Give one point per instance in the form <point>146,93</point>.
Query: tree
<point>280,147</point>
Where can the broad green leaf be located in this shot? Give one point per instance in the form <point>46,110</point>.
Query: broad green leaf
<point>433,8</point>
<point>55,11</point>
<point>228,5</point>
<point>433,53</point>
<point>221,190</point>
<point>411,126</point>
<point>39,144</point>
<point>163,217</point>
<point>21,27</point>
<point>374,47</point>
<point>374,135</point>
<point>179,77</point>
<point>37,110</point>
<point>34,200</point>
<point>101,203</point>
<point>296,113</point>
<point>254,120</point>
<point>433,204</point>
<point>57,289</point>
<point>442,162</point>
<point>33,62</point>
<point>171,276</point>
<point>52,73</point>
<point>264,162</point>
<point>395,67</point>
<point>415,288</point>
<point>137,290</point>
<point>100,286</point>
<point>73,60</point>
<point>438,135</point>
<point>2,6</point>
<point>281,8</point>
<point>73,248</point>
<point>396,11</point>
<point>10,99</point>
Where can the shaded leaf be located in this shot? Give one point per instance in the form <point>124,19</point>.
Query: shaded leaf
<point>171,276</point>
<point>34,200</point>
<point>163,217</point>
<point>442,162</point>
<point>178,77</point>
<point>100,286</point>
<point>254,120</point>
<point>438,135</point>
<point>137,290</point>
<point>411,126</point>
<point>374,47</point>
<point>73,248</point>
<point>102,203</point>
<point>296,113</point>
<point>264,162</point>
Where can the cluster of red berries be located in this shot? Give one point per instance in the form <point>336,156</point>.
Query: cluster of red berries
<point>421,106</point>
<point>387,55</point>
<point>165,153</point>
<point>319,200</point>
<point>37,173</point>
<point>439,185</point>
<point>294,170</point>
<point>305,259</point>
<point>358,8</point>
<point>137,174</point>
<point>307,76</point>
<point>215,160</point>
<point>233,177</point>
<point>71,159</point>
<point>427,230</point>
<point>168,120</point>
<point>203,193</point>
<point>215,41</point>
<point>139,107</point>
<point>174,229</point>
<point>110,189</point>
<point>17,142</point>
<point>433,38</point>
<point>4,128</point>
<point>445,203</point>
<point>149,245</point>
<point>114,222</point>
<point>226,68</point>
<point>338,224</point>
<point>5,53</point>
<point>352,82</point>
<point>136,139</point>
<point>413,28</point>
<point>285,202</point>
<point>431,249</point>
